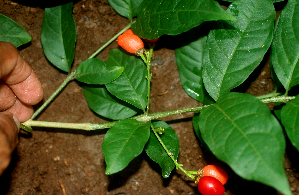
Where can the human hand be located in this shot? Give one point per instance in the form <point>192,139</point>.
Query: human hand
<point>19,90</point>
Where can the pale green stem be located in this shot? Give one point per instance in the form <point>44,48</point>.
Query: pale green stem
<point>177,165</point>
<point>149,74</point>
<point>143,58</point>
<point>147,62</point>
<point>79,126</point>
<point>89,126</point>
<point>273,94</point>
<point>71,76</point>
<point>143,117</point>
<point>278,99</point>
<point>60,88</point>
<point>111,40</point>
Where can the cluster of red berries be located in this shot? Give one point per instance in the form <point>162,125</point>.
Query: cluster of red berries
<point>132,43</point>
<point>212,180</point>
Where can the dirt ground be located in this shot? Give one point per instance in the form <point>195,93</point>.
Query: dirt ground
<point>67,162</point>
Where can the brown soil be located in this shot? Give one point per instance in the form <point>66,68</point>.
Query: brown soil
<point>54,161</point>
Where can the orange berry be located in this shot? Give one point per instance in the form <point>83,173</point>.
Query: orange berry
<point>216,172</point>
<point>130,42</point>
<point>129,31</point>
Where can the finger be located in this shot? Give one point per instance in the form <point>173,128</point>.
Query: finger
<point>8,139</point>
<point>22,111</point>
<point>13,68</point>
<point>7,97</point>
<point>28,91</point>
<point>9,127</point>
<point>18,75</point>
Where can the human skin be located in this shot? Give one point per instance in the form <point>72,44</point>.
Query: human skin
<point>19,90</point>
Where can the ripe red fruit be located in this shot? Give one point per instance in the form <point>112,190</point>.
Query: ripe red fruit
<point>151,41</point>
<point>216,172</point>
<point>208,185</point>
<point>129,31</point>
<point>130,42</point>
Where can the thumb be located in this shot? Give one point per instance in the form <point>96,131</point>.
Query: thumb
<point>9,128</point>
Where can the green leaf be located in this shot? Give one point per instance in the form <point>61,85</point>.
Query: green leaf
<point>157,153</point>
<point>172,17</point>
<point>94,71</point>
<point>195,121</point>
<point>12,32</point>
<point>189,62</point>
<point>277,83</point>
<point>277,109</point>
<point>285,46</point>
<point>126,8</point>
<point>241,131</point>
<point>58,36</point>
<point>274,1</point>
<point>123,142</point>
<point>103,103</point>
<point>236,49</point>
<point>290,121</point>
<point>131,85</point>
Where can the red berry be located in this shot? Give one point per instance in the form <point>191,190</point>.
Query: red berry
<point>208,185</point>
<point>129,31</point>
<point>151,41</point>
<point>130,42</point>
<point>216,172</point>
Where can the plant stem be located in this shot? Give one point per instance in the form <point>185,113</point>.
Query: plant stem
<point>111,40</point>
<point>282,98</point>
<point>149,75</point>
<point>269,95</point>
<point>89,126</point>
<point>143,58</point>
<point>143,117</point>
<point>147,62</point>
<point>60,88</point>
<point>178,166</point>
<point>26,128</point>
<point>79,126</point>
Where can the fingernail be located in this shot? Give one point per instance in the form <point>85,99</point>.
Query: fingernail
<point>16,121</point>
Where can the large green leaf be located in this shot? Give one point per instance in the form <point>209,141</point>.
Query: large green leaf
<point>195,121</point>
<point>126,8</point>
<point>277,109</point>
<point>58,36</point>
<point>236,49</point>
<point>290,121</point>
<point>189,62</point>
<point>157,153</point>
<point>131,85</point>
<point>274,1</point>
<point>241,131</point>
<point>285,46</point>
<point>94,71</point>
<point>123,142</point>
<point>103,103</point>
<point>12,32</point>
<point>172,17</point>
